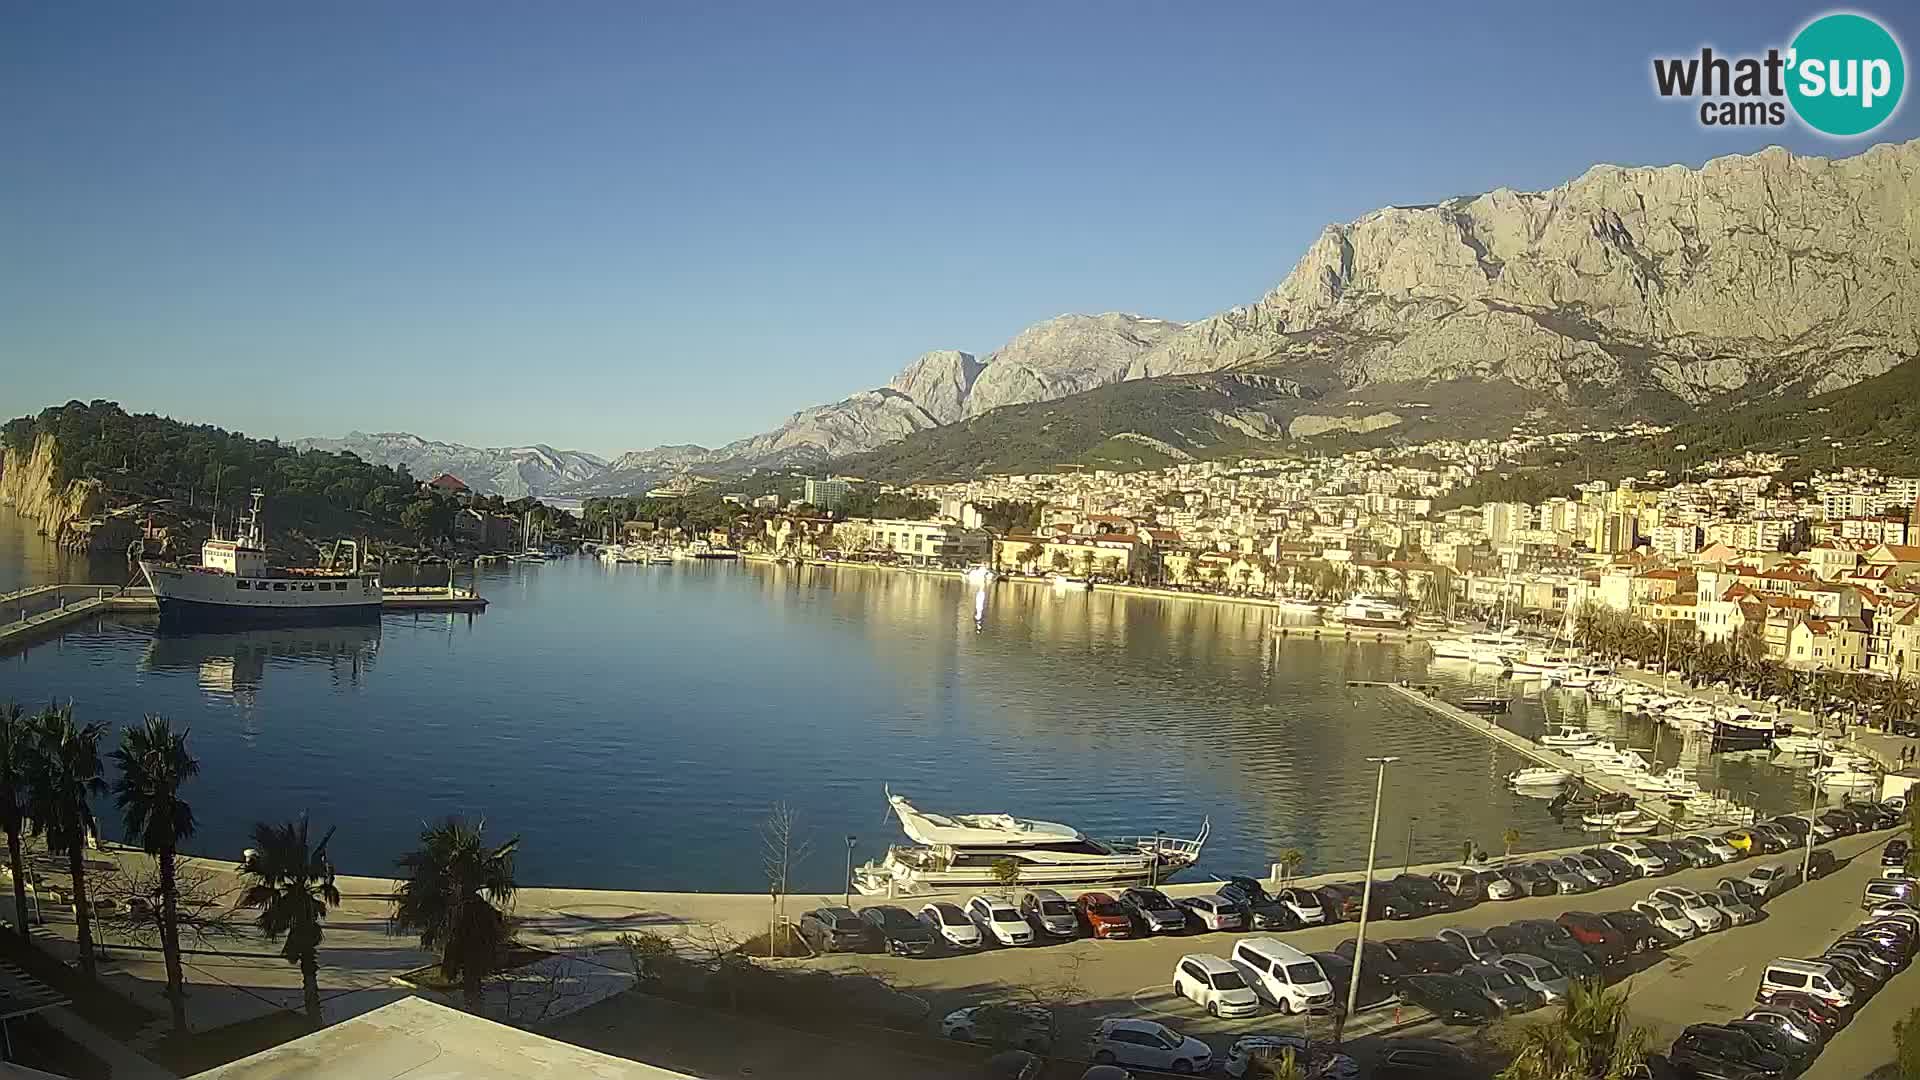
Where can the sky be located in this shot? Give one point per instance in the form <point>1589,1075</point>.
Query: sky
<point>607,226</point>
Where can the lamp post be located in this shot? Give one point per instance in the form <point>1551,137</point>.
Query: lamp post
<point>1156,858</point>
<point>846,898</point>
<point>1813,803</point>
<point>1407,866</point>
<point>1366,898</point>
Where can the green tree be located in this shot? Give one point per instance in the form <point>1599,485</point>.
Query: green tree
<point>1906,1046</point>
<point>1592,1038</point>
<point>290,882</point>
<point>154,764</point>
<point>1006,872</point>
<point>64,778</point>
<point>16,760</point>
<point>1508,839</point>
<point>1290,860</point>
<point>455,896</point>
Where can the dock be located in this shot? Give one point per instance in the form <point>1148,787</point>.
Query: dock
<point>31,615</point>
<point>1489,727</point>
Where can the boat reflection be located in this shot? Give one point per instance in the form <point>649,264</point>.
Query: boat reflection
<point>236,662</point>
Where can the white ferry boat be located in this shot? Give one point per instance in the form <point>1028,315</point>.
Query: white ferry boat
<point>959,852</point>
<point>234,583</point>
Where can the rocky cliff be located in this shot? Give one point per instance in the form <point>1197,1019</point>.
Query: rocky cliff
<point>29,484</point>
<point>1752,276</point>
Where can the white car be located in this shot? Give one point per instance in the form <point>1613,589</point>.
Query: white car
<point>1214,912</point>
<point>999,921</point>
<point>1474,943</point>
<point>1024,1027</point>
<point>1215,985</point>
<point>1148,1044</point>
<point>1669,918</point>
<point>1642,858</point>
<point>951,925</point>
<point>1305,906</point>
<point>1769,881</point>
<point>1543,977</point>
<point>1738,911</point>
<point>1722,850</point>
<point>1694,906</point>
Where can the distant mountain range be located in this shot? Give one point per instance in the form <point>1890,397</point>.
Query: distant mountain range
<point>1626,292</point>
<point>515,472</point>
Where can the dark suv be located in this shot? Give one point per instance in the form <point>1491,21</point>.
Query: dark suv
<point>1718,1050</point>
<point>899,930</point>
<point>1261,911</point>
<point>1423,896</point>
<point>837,929</point>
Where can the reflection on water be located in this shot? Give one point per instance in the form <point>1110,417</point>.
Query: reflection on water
<point>635,722</point>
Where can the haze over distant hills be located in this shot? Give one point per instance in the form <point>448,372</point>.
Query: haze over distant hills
<point>1626,292</point>
<point>514,472</point>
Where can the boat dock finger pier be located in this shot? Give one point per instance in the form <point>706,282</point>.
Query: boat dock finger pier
<point>1489,726</point>
<point>31,615</point>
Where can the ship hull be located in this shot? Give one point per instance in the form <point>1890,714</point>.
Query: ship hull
<point>176,612</point>
<point>189,596</point>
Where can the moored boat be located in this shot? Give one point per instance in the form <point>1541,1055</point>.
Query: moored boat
<point>236,583</point>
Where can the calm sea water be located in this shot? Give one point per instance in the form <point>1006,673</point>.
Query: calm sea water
<point>634,724</point>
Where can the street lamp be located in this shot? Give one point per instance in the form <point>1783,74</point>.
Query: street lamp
<point>1155,866</point>
<point>846,898</point>
<point>1407,866</point>
<point>1366,898</point>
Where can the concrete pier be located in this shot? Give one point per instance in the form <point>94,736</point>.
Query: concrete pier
<point>31,615</point>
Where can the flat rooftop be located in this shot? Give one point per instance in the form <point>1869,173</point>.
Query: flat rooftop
<point>422,1040</point>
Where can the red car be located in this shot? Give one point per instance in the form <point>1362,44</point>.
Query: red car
<point>1829,1018</point>
<point>1103,916</point>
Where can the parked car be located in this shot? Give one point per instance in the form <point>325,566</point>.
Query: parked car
<point>1640,855</point>
<point>1819,863</point>
<point>1283,975</point>
<point>1428,1060</point>
<point>1671,857</point>
<point>899,930</point>
<point>1841,822</point>
<point>1717,845</point>
<point>1798,1054</point>
<point>1706,917</point>
<point>1737,911</point>
<point>1258,910</point>
<point>952,926</point>
<point>1214,984</point>
<point>1050,913</point>
<point>1477,945</point>
<point>1770,881</point>
<point>1305,905</point>
<point>1153,912</point>
<point>1450,999</point>
<point>1102,916</point>
<point>1315,1059</point>
<point>999,921</point>
<point>1791,1022</point>
<point>1829,1017</point>
<point>1501,985</point>
<point>837,929</point>
<point>1375,987</point>
<point>1810,978</point>
<point>1593,870</point>
<point>1431,955</point>
<point>1761,842</point>
<point>1339,900</point>
<point>1694,851</point>
<point>1606,945</point>
<point>1670,918</point>
<point>1531,880</point>
<point>1470,886</point>
<point>1622,869</point>
<point>1895,853</point>
<point>1715,1048</point>
<point>1565,881</point>
<point>1148,1044</point>
<point>1544,976</point>
<point>1423,896</point>
<point>1638,931</point>
<point>1381,958</point>
<point>1211,911</point>
<point>1741,887</point>
<point>1022,1026</point>
<point>1866,972</point>
<point>1740,840</point>
<point>1883,890</point>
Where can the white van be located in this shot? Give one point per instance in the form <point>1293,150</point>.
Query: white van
<point>1282,974</point>
<point>1887,890</point>
<point>1810,977</point>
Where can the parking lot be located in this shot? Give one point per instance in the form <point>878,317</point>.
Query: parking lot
<point>1706,979</point>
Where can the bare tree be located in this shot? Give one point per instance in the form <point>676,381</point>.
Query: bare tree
<point>127,898</point>
<point>544,990</point>
<point>782,852</point>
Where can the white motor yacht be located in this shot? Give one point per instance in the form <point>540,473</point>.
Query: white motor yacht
<point>959,852</point>
<point>1568,737</point>
<point>1539,777</point>
<point>1370,611</point>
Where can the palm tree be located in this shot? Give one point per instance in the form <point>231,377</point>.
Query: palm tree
<point>291,882</point>
<point>454,897</point>
<point>1593,1038</point>
<point>1508,839</point>
<point>154,763</point>
<point>16,755</point>
<point>65,775</point>
<point>1290,860</point>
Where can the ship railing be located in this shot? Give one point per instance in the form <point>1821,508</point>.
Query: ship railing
<point>1169,848</point>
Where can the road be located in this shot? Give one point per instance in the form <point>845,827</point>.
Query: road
<point>1709,978</point>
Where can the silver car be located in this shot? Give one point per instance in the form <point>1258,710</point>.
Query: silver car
<point>1500,984</point>
<point>1567,881</point>
<point>1737,911</point>
<point>1588,867</point>
<point>1474,943</point>
<point>1543,977</point>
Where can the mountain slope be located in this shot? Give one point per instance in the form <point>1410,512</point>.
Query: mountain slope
<point>1754,275</point>
<point>514,472</point>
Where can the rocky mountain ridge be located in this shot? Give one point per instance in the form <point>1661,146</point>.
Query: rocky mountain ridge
<point>514,472</point>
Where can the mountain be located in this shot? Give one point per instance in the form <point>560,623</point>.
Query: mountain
<point>1065,355</point>
<point>1654,293</point>
<point>514,472</point>
<point>1755,275</point>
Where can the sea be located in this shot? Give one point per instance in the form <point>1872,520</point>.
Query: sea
<point>636,725</point>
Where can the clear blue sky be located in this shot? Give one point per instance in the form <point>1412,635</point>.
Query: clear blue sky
<point>608,226</point>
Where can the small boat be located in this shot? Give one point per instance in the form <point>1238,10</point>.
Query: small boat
<point>1569,736</point>
<point>1371,612</point>
<point>980,575</point>
<point>1849,781</point>
<point>1486,704</point>
<point>1539,777</point>
<point>1069,584</point>
<point>1634,823</point>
